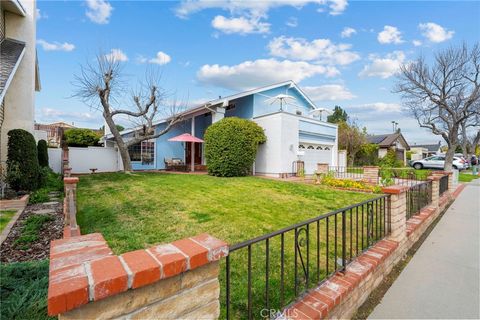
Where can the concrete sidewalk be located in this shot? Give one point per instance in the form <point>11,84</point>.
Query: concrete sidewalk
<point>442,280</point>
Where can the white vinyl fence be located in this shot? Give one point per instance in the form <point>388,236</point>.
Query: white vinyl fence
<point>55,159</point>
<point>81,160</point>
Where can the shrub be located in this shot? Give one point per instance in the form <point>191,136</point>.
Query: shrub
<point>39,196</point>
<point>390,160</point>
<point>42,150</point>
<point>367,155</point>
<point>23,290</point>
<point>77,137</point>
<point>22,160</point>
<point>328,180</point>
<point>231,146</point>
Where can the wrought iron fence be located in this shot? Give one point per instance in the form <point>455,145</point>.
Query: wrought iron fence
<point>340,172</point>
<point>418,197</point>
<point>402,176</point>
<point>443,185</point>
<point>267,273</point>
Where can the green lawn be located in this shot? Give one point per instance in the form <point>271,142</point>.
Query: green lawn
<point>140,210</point>
<point>467,176</point>
<point>5,216</point>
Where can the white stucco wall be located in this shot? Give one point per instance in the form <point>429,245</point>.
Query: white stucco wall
<point>81,160</point>
<point>269,154</point>
<point>20,96</point>
<point>55,159</point>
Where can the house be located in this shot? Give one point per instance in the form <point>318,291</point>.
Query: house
<point>19,74</point>
<point>426,150</point>
<point>393,141</point>
<point>54,132</point>
<point>293,132</point>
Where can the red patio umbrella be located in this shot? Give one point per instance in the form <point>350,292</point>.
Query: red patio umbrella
<point>187,137</point>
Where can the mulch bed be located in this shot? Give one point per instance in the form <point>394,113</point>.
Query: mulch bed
<point>39,249</point>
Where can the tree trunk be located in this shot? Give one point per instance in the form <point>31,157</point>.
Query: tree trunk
<point>122,148</point>
<point>449,158</point>
<point>127,164</point>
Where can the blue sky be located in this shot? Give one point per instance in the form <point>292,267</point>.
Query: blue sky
<point>339,52</point>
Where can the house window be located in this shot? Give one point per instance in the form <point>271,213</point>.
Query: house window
<point>231,107</point>
<point>310,147</point>
<point>327,148</point>
<point>298,112</point>
<point>319,148</point>
<point>143,151</point>
<point>301,146</point>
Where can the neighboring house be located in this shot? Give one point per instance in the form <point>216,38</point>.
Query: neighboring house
<point>394,141</point>
<point>54,132</point>
<point>426,150</point>
<point>19,76</point>
<point>292,132</point>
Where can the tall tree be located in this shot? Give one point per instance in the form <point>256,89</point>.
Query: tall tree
<point>101,84</point>
<point>350,138</point>
<point>443,95</point>
<point>338,115</point>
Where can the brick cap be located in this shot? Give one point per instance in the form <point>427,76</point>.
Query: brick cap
<point>70,180</point>
<point>83,269</point>
<point>394,189</point>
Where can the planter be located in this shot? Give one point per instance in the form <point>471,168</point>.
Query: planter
<point>15,203</point>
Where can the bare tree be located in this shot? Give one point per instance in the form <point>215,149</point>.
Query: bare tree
<point>350,138</point>
<point>444,95</point>
<point>101,84</point>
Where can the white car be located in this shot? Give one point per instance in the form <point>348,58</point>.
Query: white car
<point>438,162</point>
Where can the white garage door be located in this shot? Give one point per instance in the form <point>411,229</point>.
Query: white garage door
<point>314,154</point>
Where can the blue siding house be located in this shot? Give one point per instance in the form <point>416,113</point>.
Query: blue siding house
<point>294,131</point>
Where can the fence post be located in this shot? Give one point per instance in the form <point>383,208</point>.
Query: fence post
<point>435,189</point>
<point>398,211</point>
<point>70,206</point>
<point>370,174</point>
<point>322,168</point>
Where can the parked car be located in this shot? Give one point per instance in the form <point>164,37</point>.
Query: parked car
<point>460,155</point>
<point>438,162</point>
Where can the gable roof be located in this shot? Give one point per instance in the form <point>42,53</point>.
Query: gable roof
<point>11,54</point>
<point>429,147</point>
<point>224,101</point>
<point>387,140</point>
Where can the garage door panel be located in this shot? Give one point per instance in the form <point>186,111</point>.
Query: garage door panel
<point>314,154</point>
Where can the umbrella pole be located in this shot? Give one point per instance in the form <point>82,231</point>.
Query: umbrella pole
<point>192,152</point>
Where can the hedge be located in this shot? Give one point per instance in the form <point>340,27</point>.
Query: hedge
<point>78,137</point>
<point>231,146</point>
<point>22,160</point>
<point>42,150</point>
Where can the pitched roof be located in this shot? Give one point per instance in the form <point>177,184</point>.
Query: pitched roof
<point>387,140</point>
<point>11,53</point>
<point>429,147</point>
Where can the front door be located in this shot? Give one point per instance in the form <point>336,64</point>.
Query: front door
<point>188,153</point>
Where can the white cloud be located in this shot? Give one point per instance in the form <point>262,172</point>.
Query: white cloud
<point>383,67</point>
<point>319,50</point>
<point>116,55</point>
<point>292,22</point>
<point>381,106</point>
<point>39,15</point>
<point>347,32</point>
<point>251,74</point>
<point>99,11</point>
<point>161,58</point>
<point>417,43</point>
<point>50,114</point>
<point>255,8</point>
<point>55,46</point>
<point>328,92</point>
<point>241,25</point>
<point>390,35</point>
<point>434,32</point>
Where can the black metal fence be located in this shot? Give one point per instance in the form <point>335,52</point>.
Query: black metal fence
<point>340,172</point>
<point>443,185</point>
<point>402,176</point>
<point>418,197</point>
<point>266,274</point>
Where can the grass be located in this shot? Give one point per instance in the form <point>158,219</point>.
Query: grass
<point>142,209</point>
<point>466,177</point>
<point>23,290</point>
<point>139,210</point>
<point>31,229</point>
<point>5,216</point>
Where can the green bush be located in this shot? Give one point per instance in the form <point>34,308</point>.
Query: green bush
<point>77,137</point>
<point>23,290</point>
<point>367,155</point>
<point>390,160</point>
<point>42,151</point>
<point>231,146</point>
<point>22,160</point>
<point>39,196</point>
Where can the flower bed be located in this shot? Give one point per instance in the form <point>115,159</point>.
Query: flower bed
<point>351,185</point>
